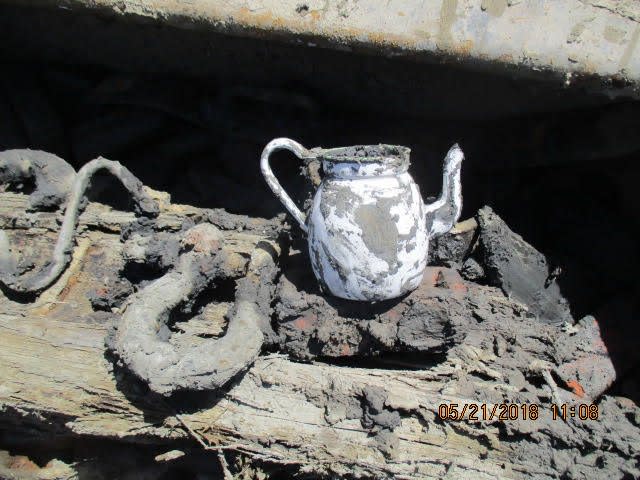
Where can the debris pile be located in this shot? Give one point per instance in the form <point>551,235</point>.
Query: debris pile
<point>203,325</point>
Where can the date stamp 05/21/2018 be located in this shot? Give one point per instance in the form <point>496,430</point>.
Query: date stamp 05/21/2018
<point>514,411</point>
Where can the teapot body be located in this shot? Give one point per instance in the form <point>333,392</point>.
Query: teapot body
<point>367,236</point>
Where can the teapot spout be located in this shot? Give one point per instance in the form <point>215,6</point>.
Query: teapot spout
<point>443,214</point>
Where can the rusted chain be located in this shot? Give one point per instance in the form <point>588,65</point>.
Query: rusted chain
<point>165,367</point>
<point>143,204</point>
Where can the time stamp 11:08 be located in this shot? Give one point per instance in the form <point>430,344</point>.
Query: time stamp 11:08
<point>514,411</point>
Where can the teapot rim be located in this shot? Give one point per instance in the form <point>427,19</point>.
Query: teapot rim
<point>397,154</point>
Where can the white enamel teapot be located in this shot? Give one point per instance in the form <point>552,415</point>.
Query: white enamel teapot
<point>368,228</point>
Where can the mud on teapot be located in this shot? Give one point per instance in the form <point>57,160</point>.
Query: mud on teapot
<point>368,227</point>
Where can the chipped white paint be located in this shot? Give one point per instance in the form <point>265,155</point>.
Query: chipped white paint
<point>368,227</point>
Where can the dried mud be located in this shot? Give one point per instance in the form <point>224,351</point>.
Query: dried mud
<point>486,324</point>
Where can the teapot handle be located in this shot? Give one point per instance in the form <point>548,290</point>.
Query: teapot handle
<point>300,152</point>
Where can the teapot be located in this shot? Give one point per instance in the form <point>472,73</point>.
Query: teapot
<point>368,228</point>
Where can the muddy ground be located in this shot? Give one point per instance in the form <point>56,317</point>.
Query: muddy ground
<point>488,324</point>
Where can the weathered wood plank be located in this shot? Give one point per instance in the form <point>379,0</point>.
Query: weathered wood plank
<point>581,36</point>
